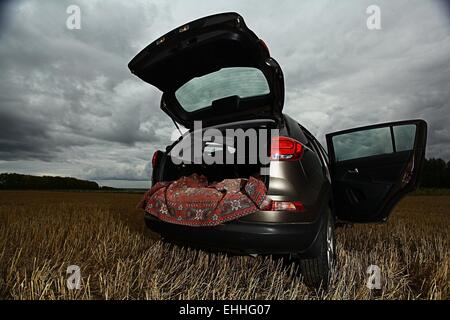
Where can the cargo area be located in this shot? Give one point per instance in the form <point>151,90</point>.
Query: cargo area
<point>189,189</point>
<point>249,165</point>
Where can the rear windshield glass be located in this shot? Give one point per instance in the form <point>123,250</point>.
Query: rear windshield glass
<point>200,92</point>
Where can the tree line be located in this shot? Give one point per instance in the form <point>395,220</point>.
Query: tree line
<point>435,174</point>
<point>17,181</point>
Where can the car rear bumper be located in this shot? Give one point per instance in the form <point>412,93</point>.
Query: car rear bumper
<point>244,237</point>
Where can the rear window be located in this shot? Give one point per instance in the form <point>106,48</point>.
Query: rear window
<point>200,92</point>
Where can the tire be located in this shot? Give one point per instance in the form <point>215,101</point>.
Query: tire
<point>316,271</point>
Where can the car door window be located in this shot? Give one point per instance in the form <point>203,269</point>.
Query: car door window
<point>404,137</point>
<point>362,144</point>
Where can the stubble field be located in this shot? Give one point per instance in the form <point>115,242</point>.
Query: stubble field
<point>42,233</point>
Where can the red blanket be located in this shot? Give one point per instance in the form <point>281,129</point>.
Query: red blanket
<point>192,201</point>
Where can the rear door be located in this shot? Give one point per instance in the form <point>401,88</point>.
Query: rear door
<point>373,167</point>
<point>214,69</point>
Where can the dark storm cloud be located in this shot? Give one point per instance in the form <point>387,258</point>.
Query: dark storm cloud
<point>21,138</point>
<point>4,7</point>
<point>341,75</point>
<point>69,105</point>
<point>63,90</point>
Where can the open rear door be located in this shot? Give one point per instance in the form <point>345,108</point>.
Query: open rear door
<point>215,70</point>
<point>373,167</point>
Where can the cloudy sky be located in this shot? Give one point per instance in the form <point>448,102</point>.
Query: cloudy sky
<point>69,105</point>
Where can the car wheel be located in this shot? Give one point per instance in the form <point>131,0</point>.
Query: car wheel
<point>316,272</point>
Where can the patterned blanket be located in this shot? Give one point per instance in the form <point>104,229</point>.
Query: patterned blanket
<point>192,201</point>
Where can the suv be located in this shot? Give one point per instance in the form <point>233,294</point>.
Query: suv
<point>216,70</point>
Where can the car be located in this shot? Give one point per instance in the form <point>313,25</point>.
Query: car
<point>217,71</point>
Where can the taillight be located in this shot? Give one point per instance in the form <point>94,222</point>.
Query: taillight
<point>286,206</point>
<point>155,159</point>
<point>284,148</point>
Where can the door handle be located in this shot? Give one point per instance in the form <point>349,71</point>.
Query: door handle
<point>353,171</point>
